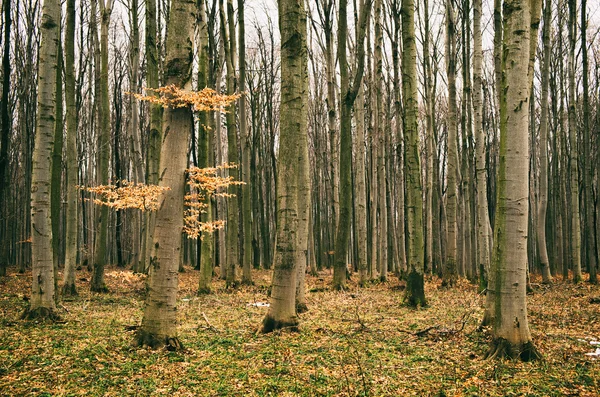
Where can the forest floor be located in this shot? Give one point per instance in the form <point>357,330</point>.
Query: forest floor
<point>354,343</point>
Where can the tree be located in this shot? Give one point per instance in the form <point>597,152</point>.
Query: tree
<point>450,272</point>
<point>415,285</point>
<point>543,195</point>
<point>349,93</point>
<point>511,335</point>
<point>97,283</point>
<point>4,137</point>
<point>43,287</point>
<point>291,177</point>
<point>71,155</point>
<point>159,324</point>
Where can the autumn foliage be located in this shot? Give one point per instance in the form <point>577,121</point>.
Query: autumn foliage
<point>203,182</point>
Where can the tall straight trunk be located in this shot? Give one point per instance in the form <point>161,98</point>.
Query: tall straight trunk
<point>159,324</point>
<point>207,242</point>
<point>246,138</point>
<point>543,151</point>
<point>490,296</point>
<point>588,173</point>
<point>71,155</point>
<point>415,288</point>
<point>381,148</point>
<point>511,335</point>
<point>573,158</point>
<point>399,137</point>
<point>55,195</point>
<point>450,272</point>
<point>97,283</point>
<point>428,82</point>
<point>4,137</point>
<point>361,193</point>
<point>483,220</point>
<point>134,136</point>
<point>292,178</point>
<point>154,134</point>
<point>228,36</point>
<point>43,287</point>
<point>349,93</point>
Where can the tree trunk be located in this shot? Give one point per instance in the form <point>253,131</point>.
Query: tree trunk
<point>97,283</point>
<point>43,292</point>
<point>361,199</point>
<point>349,94</point>
<point>71,155</point>
<point>509,259</point>
<point>207,242</point>
<point>450,272</point>
<point>543,183</point>
<point>415,288</point>
<point>291,174</point>
<point>4,138</point>
<point>159,325</point>
<point>575,253</point>
<point>246,138</point>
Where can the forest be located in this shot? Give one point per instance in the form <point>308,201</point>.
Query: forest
<point>300,197</point>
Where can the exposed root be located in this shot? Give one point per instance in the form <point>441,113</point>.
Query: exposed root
<point>41,314</point>
<point>101,289</point>
<point>301,308</point>
<point>69,290</point>
<point>153,341</point>
<point>502,348</point>
<point>204,291</point>
<point>270,324</point>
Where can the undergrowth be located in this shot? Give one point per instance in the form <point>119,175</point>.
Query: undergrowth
<point>361,342</point>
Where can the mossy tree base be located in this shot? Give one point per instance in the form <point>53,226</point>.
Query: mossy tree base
<point>247,282</point>
<point>415,290</point>
<point>101,289</point>
<point>270,324</point>
<point>69,290</point>
<point>502,348</point>
<point>204,291</point>
<point>41,314</point>
<point>144,338</point>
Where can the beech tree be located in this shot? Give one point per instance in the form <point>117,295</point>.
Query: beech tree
<point>292,181</point>
<point>43,293</point>
<point>512,337</point>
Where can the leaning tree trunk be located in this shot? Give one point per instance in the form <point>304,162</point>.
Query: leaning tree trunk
<point>415,288</point>
<point>293,136</point>
<point>42,288</point>
<point>159,325</point>
<point>68,287</point>
<point>511,336</point>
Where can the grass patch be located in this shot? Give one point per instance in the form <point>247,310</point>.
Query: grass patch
<point>361,342</point>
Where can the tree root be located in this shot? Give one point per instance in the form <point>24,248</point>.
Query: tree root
<point>204,291</point>
<point>41,314</point>
<point>301,308</point>
<point>502,348</point>
<point>270,324</point>
<point>144,338</point>
<point>69,290</point>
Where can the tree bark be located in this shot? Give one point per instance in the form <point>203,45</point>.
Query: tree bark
<point>68,287</point>
<point>415,288</point>
<point>511,335</point>
<point>291,176</point>
<point>43,292</point>
<point>159,324</point>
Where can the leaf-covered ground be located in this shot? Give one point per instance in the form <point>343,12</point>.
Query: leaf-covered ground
<point>355,343</point>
